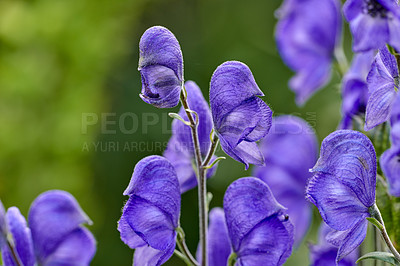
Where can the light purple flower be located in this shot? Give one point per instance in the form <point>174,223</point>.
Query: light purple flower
<point>373,23</point>
<point>219,246</point>
<point>151,214</point>
<point>306,34</point>
<point>324,254</point>
<point>161,67</point>
<point>390,162</point>
<point>355,89</point>
<point>383,79</point>
<point>343,187</point>
<point>240,117</point>
<point>290,150</point>
<point>55,235</point>
<point>180,150</point>
<point>258,227</point>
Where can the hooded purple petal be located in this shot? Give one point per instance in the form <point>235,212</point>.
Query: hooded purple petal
<point>161,67</point>
<point>78,248</point>
<point>152,211</point>
<point>219,246</point>
<point>324,254</point>
<point>22,237</point>
<point>154,180</point>
<point>240,117</point>
<point>390,162</point>
<point>53,216</point>
<point>372,23</point>
<point>395,114</point>
<point>257,224</point>
<point>343,186</point>
<point>355,89</point>
<point>198,104</point>
<point>349,157</point>
<point>287,169</point>
<point>381,86</point>
<point>306,35</point>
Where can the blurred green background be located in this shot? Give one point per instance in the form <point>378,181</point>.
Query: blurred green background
<point>69,100</point>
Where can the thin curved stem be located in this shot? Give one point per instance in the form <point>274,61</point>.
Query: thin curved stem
<point>213,148</point>
<point>14,253</point>
<point>201,180</point>
<point>374,211</point>
<point>187,256</point>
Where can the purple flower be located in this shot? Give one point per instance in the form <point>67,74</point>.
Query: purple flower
<point>355,89</point>
<point>390,162</point>
<point>373,23</point>
<point>161,67</point>
<point>395,114</point>
<point>259,229</point>
<point>151,214</point>
<point>306,35</point>
<point>55,235</point>
<point>219,246</point>
<point>180,147</point>
<point>324,254</point>
<point>343,187</point>
<point>383,81</point>
<point>290,150</point>
<point>240,117</point>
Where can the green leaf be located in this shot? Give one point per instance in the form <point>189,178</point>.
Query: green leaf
<point>382,256</point>
<point>177,116</point>
<point>214,162</point>
<point>375,222</point>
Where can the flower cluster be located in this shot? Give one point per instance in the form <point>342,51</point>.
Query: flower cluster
<point>55,235</point>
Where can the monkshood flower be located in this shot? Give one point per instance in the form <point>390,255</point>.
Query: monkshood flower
<point>180,151</point>
<point>324,254</point>
<point>343,187</point>
<point>151,214</point>
<point>383,83</point>
<point>390,162</point>
<point>55,235</point>
<point>219,245</point>
<point>240,117</point>
<point>161,67</point>
<point>373,23</point>
<point>306,34</point>
<point>258,226</point>
<point>355,89</point>
<point>287,168</point>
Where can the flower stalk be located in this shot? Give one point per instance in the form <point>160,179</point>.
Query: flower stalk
<point>375,213</point>
<point>201,179</point>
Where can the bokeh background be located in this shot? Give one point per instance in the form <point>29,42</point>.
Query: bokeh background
<point>71,118</point>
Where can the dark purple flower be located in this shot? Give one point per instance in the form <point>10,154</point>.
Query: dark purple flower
<point>259,229</point>
<point>306,35</point>
<point>290,150</point>
<point>161,67</point>
<point>373,23</point>
<point>324,254</point>
<point>219,246</point>
<point>151,214</point>
<point>383,81</point>
<point>55,235</point>
<point>240,117</point>
<point>355,89</point>
<point>343,187</point>
<point>390,162</point>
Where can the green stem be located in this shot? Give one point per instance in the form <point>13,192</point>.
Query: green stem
<point>201,180</point>
<point>232,259</point>
<point>185,255</point>
<point>375,213</point>
<point>341,60</point>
